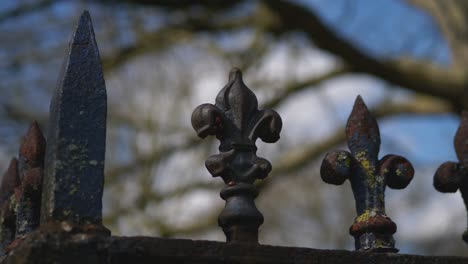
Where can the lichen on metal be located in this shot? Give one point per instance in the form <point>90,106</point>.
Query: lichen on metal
<point>453,176</point>
<point>10,181</point>
<point>372,229</point>
<point>28,194</point>
<point>237,123</point>
<point>20,191</point>
<point>74,162</point>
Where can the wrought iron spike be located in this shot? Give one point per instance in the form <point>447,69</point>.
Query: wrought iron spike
<point>237,123</point>
<point>372,229</point>
<point>10,181</point>
<point>453,176</point>
<point>74,162</point>
<point>32,149</point>
<point>28,194</point>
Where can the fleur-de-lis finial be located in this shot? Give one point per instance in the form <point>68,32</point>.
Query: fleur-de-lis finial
<point>453,176</point>
<point>237,123</point>
<point>372,229</point>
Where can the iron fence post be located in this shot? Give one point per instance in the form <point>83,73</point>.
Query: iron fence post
<point>237,123</point>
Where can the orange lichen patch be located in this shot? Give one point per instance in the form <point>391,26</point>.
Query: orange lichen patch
<point>32,147</point>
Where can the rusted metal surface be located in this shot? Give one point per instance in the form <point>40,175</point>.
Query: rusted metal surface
<point>32,149</point>
<point>453,176</point>
<point>20,191</point>
<point>372,229</point>
<point>28,193</point>
<point>74,163</point>
<point>10,181</point>
<point>70,248</point>
<point>237,123</point>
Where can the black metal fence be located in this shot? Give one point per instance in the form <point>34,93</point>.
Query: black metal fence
<point>55,184</point>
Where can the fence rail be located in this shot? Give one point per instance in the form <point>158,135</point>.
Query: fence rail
<point>51,194</point>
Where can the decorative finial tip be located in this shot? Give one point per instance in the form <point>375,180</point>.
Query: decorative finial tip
<point>34,128</point>
<point>85,15</point>
<point>359,103</point>
<point>362,130</point>
<point>33,144</point>
<point>84,31</point>
<point>235,73</point>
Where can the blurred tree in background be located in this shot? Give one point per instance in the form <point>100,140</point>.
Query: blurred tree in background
<point>306,59</point>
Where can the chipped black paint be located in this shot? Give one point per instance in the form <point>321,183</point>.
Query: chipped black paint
<point>369,176</point>
<point>237,123</point>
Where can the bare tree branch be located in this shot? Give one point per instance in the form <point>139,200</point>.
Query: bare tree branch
<point>172,33</point>
<point>451,17</point>
<point>296,87</point>
<point>23,9</point>
<point>180,3</point>
<point>159,197</point>
<point>113,174</point>
<point>419,76</point>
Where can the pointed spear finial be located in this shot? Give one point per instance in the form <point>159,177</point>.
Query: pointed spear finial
<point>372,229</point>
<point>32,149</point>
<point>74,170</point>
<point>453,176</point>
<point>237,123</point>
<point>28,194</point>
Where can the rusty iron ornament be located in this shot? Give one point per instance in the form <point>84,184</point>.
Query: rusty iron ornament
<point>20,191</point>
<point>237,123</point>
<point>372,229</point>
<point>453,176</point>
<point>30,169</point>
